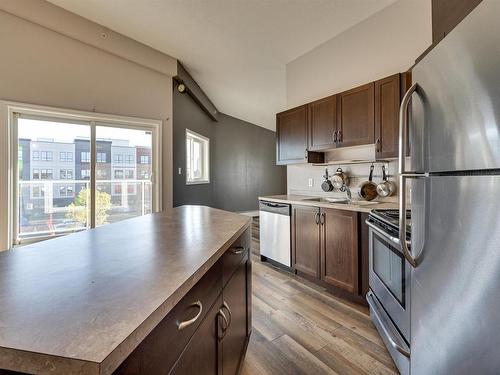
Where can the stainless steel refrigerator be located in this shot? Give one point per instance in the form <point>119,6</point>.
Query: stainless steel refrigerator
<point>454,177</point>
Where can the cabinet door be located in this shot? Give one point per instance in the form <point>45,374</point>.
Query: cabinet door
<point>201,355</point>
<point>339,249</point>
<point>446,14</point>
<point>291,136</point>
<point>387,99</point>
<point>323,124</point>
<point>355,121</point>
<point>235,305</point>
<point>305,239</point>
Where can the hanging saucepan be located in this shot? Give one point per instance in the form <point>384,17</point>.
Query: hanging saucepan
<point>339,179</point>
<point>386,188</point>
<point>327,184</point>
<point>368,189</point>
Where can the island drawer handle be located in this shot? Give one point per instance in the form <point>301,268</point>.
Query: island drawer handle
<point>237,250</point>
<point>189,322</point>
<point>226,306</point>
<point>226,325</point>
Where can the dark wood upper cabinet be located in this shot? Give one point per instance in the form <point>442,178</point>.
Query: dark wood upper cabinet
<point>387,99</point>
<point>339,249</point>
<point>323,124</point>
<point>306,240</point>
<point>292,139</point>
<point>355,116</point>
<point>446,14</point>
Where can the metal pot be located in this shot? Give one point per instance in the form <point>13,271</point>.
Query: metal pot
<point>339,179</point>
<point>386,188</point>
<point>368,189</point>
<point>327,184</point>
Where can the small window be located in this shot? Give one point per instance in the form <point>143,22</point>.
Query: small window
<point>85,173</point>
<point>62,156</point>
<point>129,174</point>
<point>62,174</point>
<point>197,158</point>
<point>36,155</point>
<point>144,159</point>
<point>101,157</point>
<point>36,174</point>
<point>69,156</point>
<point>69,174</point>
<point>85,156</point>
<point>118,173</point>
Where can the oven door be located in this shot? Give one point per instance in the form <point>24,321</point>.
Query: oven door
<point>390,279</point>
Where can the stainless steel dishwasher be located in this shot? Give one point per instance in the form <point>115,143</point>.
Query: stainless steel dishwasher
<point>275,232</point>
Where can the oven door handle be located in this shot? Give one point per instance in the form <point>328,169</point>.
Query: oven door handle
<point>375,309</point>
<point>380,231</point>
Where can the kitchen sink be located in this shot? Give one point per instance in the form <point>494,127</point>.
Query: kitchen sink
<point>340,201</point>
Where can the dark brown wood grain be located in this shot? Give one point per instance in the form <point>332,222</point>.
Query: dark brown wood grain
<point>339,249</point>
<point>323,124</point>
<point>355,116</point>
<point>387,99</point>
<point>305,239</point>
<point>364,255</point>
<point>447,14</point>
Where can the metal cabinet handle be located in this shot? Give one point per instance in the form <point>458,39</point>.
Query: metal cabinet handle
<point>394,344</point>
<point>377,145</point>
<point>237,250</point>
<point>322,218</point>
<point>316,218</point>
<point>340,136</point>
<point>335,136</point>
<point>305,154</point>
<point>189,322</point>
<point>226,306</point>
<point>226,325</point>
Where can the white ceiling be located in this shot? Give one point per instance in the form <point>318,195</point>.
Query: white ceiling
<point>237,50</point>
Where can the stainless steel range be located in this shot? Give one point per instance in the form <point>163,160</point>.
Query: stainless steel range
<point>389,275</point>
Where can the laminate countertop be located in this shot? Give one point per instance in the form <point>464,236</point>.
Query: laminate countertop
<point>305,201</point>
<point>80,304</point>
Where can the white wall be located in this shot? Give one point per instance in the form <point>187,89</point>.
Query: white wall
<point>54,58</point>
<point>386,43</point>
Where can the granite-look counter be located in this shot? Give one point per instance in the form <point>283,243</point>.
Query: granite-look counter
<point>81,304</point>
<point>302,200</point>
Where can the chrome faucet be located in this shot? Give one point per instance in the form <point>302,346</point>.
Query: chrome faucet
<point>347,191</point>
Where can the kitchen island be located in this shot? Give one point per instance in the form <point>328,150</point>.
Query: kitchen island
<point>167,292</point>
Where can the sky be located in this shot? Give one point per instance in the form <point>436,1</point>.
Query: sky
<point>65,132</point>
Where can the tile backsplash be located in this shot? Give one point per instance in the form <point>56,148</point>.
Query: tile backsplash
<point>306,179</point>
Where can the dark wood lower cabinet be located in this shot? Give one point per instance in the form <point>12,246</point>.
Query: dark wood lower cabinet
<point>339,248</point>
<point>215,343</point>
<point>235,304</point>
<point>330,248</point>
<point>305,240</point>
<point>201,355</point>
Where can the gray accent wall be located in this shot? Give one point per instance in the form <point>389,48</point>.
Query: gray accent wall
<point>242,159</point>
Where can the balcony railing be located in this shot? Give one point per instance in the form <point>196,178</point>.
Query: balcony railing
<point>54,207</point>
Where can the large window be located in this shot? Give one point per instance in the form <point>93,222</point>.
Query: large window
<point>197,158</point>
<point>54,192</point>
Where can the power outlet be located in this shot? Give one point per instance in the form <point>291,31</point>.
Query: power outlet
<point>310,182</point>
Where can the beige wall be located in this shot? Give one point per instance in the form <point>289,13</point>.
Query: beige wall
<point>40,65</point>
<point>384,44</point>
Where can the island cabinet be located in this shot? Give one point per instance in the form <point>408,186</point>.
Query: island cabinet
<point>326,249</point>
<point>208,330</point>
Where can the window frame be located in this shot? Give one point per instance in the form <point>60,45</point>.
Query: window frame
<point>12,111</point>
<point>206,151</point>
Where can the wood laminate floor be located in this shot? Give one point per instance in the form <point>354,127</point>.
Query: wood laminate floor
<point>298,328</point>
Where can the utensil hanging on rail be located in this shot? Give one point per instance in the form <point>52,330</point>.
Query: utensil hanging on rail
<point>386,188</point>
<point>339,179</point>
<point>327,184</point>
<point>368,189</point>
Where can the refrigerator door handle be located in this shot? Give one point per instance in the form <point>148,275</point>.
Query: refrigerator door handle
<point>402,216</point>
<point>403,126</point>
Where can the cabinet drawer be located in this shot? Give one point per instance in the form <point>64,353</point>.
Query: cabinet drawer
<point>161,348</point>
<point>234,255</point>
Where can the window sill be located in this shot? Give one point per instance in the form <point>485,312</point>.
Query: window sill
<point>197,182</point>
